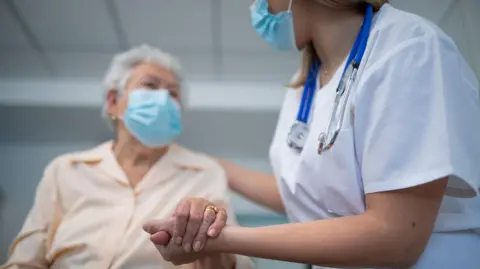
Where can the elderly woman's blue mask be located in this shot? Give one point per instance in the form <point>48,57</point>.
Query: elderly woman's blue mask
<point>153,117</point>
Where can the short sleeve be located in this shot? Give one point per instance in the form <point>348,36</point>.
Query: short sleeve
<point>417,119</point>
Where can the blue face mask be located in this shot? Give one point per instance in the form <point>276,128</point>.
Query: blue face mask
<point>275,29</point>
<point>153,117</point>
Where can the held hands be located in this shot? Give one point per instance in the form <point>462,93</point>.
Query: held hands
<point>181,238</point>
<point>196,219</point>
<point>160,231</point>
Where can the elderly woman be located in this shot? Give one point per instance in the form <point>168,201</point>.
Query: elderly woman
<point>90,206</point>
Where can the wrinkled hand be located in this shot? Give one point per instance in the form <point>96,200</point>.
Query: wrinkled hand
<point>195,222</point>
<point>160,231</point>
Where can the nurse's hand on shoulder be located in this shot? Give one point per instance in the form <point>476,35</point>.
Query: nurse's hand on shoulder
<point>195,221</point>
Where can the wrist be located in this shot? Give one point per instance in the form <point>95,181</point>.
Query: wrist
<point>226,241</point>
<point>217,255</point>
<point>216,245</point>
<point>218,260</point>
<point>229,260</point>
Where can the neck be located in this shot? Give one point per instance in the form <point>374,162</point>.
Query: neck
<point>130,152</point>
<point>334,33</point>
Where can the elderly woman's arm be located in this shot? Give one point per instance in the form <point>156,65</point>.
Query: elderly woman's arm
<point>30,246</point>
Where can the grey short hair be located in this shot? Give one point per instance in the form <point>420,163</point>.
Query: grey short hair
<point>120,70</point>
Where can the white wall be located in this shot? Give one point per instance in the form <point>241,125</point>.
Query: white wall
<point>239,95</point>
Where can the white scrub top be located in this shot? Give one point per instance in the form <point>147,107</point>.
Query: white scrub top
<point>413,117</point>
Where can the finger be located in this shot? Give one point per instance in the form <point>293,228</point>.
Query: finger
<point>163,250</point>
<point>197,210</point>
<point>201,238</point>
<point>155,226</point>
<point>160,238</point>
<point>218,224</point>
<point>181,218</point>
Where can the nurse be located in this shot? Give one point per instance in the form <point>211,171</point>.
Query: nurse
<point>376,153</point>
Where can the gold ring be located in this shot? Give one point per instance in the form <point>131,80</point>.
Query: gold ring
<point>213,208</point>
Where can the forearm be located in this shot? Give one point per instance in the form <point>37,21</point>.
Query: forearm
<point>217,260</point>
<point>257,186</point>
<point>359,241</point>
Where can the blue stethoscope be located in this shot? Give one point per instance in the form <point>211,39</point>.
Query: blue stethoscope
<point>299,131</point>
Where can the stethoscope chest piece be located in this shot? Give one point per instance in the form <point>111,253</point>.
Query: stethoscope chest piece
<point>322,139</point>
<point>297,136</point>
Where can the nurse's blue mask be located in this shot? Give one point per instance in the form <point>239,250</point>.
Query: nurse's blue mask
<point>275,29</point>
<point>153,117</point>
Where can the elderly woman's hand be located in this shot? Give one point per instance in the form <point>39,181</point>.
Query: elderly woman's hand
<point>196,220</point>
<point>160,234</point>
<point>160,231</point>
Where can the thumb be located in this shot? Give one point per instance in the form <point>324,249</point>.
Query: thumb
<point>160,238</point>
<point>155,226</point>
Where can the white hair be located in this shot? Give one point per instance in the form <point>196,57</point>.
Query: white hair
<point>122,64</point>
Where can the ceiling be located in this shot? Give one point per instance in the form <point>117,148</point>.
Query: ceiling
<point>212,38</point>
<point>63,47</point>
<point>71,38</point>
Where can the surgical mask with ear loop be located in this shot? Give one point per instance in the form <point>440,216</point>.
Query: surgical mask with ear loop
<point>276,29</point>
<point>153,117</point>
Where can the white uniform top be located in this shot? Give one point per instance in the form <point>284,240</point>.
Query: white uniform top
<point>413,117</point>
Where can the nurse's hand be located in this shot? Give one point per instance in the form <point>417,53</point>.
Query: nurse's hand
<point>197,220</point>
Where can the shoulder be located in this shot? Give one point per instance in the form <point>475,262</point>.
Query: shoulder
<point>67,161</point>
<point>392,26</point>
<point>409,51</point>
<point>395,33</point>
<point>201,161</point>
<point>210,180</point>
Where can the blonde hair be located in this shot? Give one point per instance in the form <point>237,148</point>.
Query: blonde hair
<point>308,53</point>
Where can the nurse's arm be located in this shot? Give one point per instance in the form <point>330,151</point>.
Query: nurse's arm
<point>393,232</point>
<point>256,186</point>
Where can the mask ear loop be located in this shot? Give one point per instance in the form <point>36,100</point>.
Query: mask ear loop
<point>291,25</point>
